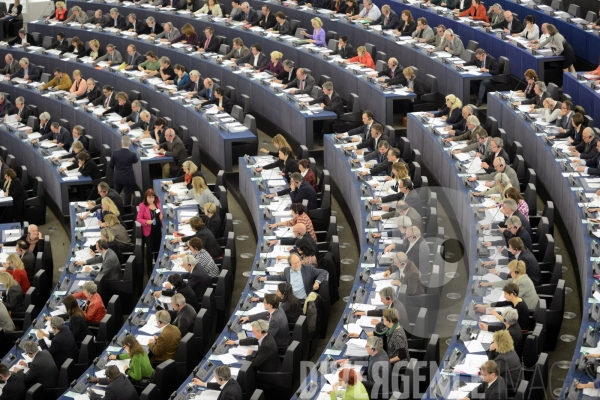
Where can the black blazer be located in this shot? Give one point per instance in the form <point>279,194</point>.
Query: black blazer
<point>123,110</point>
<point>453,116</point>
<point>489,159</point>
<point>42,370</point>
<point>87,52</point>
<point>208,239</point>
<point>111,103</point>
<point>252,16</point>
<point>407,29</point>
<point>91,95</point>
<point>515,28</point>
<point>28,260</point>
<point>231,391</point>
<point>346,52</point>
<point>227,105</point>
<point>267,356</point>
<point>249,59</point>
<point>18,40</point>
<point>32,71</point>
<point>135,60</point>
<point>214,224</point>
<point>418,87</point>
<point>139,28</point>
<point>14,389</point>
<point>19,195</point>
<point>71,49</point>
<point>283,29</point>
<point>115,197</point>
<point>63,346</point>
<point>497,391</point>
<point>79,327</point>
<point>305,191</point>
<point>288,167</point>
<point>158,29</point>
<point>62,46</point>
<point>284,77</point>
<point>188,294</point>
<point>121,22</point>
<point>336,105</point>
<point>91,169</point>
<point>120,388</point>
<point>184,319</point>
<point>269,23</point>
<point>198,280</point>
<point>537,100</point>
<point>306,236</point>
<point>45,129</point>
<point>213,45</point>
<point>121,162</point>
<point>466,5</point>
<point>490,63</point>
<point>393,21</point>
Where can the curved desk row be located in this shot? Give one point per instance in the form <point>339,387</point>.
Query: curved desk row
<point>582,94</point>
<point>218,144</point>
<point>551,174</point>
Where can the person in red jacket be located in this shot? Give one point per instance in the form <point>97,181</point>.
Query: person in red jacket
<point>93,309</point>
<point>16,268</point>
<point>477,12</point>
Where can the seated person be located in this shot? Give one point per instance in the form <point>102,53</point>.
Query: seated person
<point>164,346</point>
<point>117,386</point>
<point>310,277</point>
<point>267,356</point>
<point>63,342</point>
<point>42,368</point>
<point>230,388</point>
<point>278,323</point>
<point>220,100</point>
<point>61,81</point>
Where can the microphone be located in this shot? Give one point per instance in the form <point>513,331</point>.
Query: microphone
<point>518,83</point>
<point>46,9</point>
<point>469,167</point>
<point>283,234</point>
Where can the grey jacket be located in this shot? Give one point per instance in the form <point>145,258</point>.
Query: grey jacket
<point>508,170</point>
<point>243,52</point>
<point>111,267</point>
<point>278,326</point>
<point>509,367</point>
<point>168,35</point>
<point>526,290</point>
<point>427,34</point>
<point>457,46</point>
<point>6,322</point>
<point>114,58</point>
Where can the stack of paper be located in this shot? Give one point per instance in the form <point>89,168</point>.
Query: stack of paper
<point>356,348</point>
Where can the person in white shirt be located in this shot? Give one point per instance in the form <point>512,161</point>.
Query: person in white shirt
<point>370,12</point>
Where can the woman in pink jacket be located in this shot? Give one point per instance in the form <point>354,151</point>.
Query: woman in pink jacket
<point>150,216</point>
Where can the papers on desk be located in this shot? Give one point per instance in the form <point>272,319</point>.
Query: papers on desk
<point>491,278</point>
<point>474,346</point>
<point>365,320</point>
<point>356,348</point>
<point>143,339</point>
<point>242,350</point>
<point>119,363</point>
<point>362,307</point>
<point>353,328</point>
<point>485,337</point>
<point>208,395</point>
<point>494,296</point>
<point>150,328</point>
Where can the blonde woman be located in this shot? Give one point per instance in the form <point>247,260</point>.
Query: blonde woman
<point>121,236</point>
<point>94,52</point>
<point>190,170</point>
<point>16,268</point>
<point>79,86</point>
<point>502,350</point>
<point>108,207</point>
<point>452,110</point>
<point>211,7</point>
<point>498,191</point>
<point>518,273</point>
<point>13,297</point>
<point>202,193</point>
<point>60,13</point>
<point>399,171</point>
<point>275,65</point>
<point>213,219</point>
<point>279,142</point>
<point>318,36</point>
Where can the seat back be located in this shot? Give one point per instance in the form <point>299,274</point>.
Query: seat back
<point>553,90</point>
<point>472,45</point>
<point>557,5</point>
<point>114,308</point>
<point>202,331</point>
<point>247,379</point>
<point>591,16</point>
<point>372,49</point>
<point>237,112</point>
<point>165,378</point>
<point>187,356</point>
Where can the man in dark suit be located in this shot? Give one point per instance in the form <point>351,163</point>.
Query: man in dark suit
<point>278,322</point>
<point>183,315</point>
<point>121,163</point>
<point>388,18</point>
<point>152,28</point>
<point>300,232</point>
<point>517,249</point>
<point>78,136</point>
<point>372,142</point>
<point>565,118</point>
<point>45,123</point>
<point>587,149</point>
<point>387,295</point>
<point>393,72</point>
<point>146,121</point>
<point>460,127</point>
<point>23,38</point>
<point>300,191</point>
<point>105,191</point>
<point>98,19</point>
<point>247,15</point>
<point>256,59</point>
<point>267,19</point>
<point>311,277</point>
<point>303,82</point>
<point>173,147</point>
<point>208,92</point>
<point>208,42</point>
<point>27,71</point>
<point>499,168</point>
<point>405,272</point>
<point>59,135</point>
<point>230,388</point>
<point>108,98</point>
<point>345,49</point>
<point>267,356</point>
<point>329,101</point>
<point>116,20</point>
<point>134,117</point>
<point>591,165</point>
<point>510,209</point>
<point>288,74</point>
<point>92,93</point>
<point>384,168</point>
<point>378,371</point>
<point>176,4</point>
<point>403,210</point>
<point>5,105</point>
<point>42,368</point>
<point>194,85</point>
<point>133,25</point>
<point>198,278</point>
<point>133,58</point>
<point>63,344</point>
<point>61,43</point>
<point>514,228</point>
<point>493,386</point>
<point>364,130</point>
<point>118,386</point>
<point>21,110</point>
<point>485,63</point>
<point>540,95</point>
<point>496,145</point>
<point>11,66</point>
<point>15,388</point>
<point>111,267</point>
<point>27,258</point>
<point>510,24</point>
